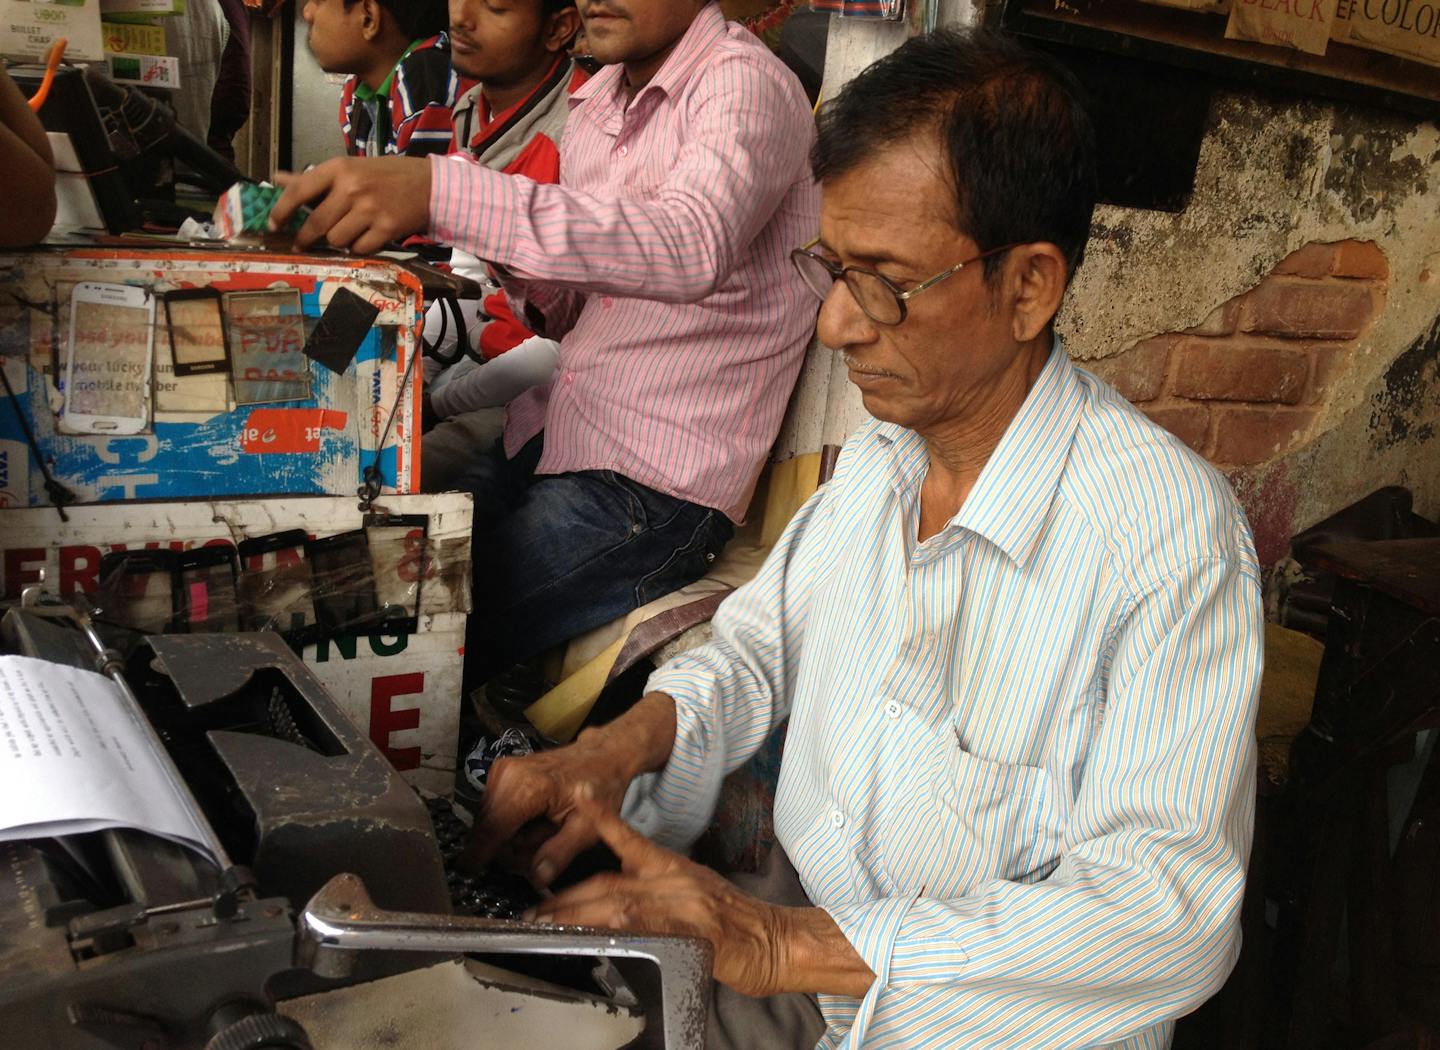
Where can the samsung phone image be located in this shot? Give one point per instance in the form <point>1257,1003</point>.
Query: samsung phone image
<point>108,359</point>
<point>196,319</point>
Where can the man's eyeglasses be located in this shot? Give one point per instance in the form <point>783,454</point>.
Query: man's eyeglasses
<point>875,294</point>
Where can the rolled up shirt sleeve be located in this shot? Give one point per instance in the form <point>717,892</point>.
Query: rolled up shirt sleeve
<point>1139,920</point>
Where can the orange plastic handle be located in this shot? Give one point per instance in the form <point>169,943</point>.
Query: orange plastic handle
<point>52,63</point>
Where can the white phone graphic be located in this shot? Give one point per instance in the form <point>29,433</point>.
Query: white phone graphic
<point>108,360</point>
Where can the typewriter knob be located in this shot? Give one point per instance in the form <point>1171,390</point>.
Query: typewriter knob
<point>260,1032</point>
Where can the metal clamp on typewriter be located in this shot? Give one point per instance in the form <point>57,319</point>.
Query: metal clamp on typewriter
<point>119,938</point>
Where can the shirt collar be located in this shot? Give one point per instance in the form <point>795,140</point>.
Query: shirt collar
<point>1012,496</point>
<point>707,29</point>
<point>489,120</point>
<point>363,91</point>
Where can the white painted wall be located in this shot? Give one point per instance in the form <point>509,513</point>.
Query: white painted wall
<point>315,106</point>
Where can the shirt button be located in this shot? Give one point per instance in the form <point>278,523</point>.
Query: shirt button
<point>837,819</point>
<point>569,378</point>
<point>624,151</point>
<point>893,709</point>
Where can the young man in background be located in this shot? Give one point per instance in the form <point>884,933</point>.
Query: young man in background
<point>510,121</point>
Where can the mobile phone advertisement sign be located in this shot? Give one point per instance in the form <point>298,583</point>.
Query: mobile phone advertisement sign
<point>28,28</point>
<point>311,431</point>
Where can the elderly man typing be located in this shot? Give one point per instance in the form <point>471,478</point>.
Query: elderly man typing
<point>1017,637</point>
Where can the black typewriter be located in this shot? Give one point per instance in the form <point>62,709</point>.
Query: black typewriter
<point>332,873</point>
<point>492,894</point>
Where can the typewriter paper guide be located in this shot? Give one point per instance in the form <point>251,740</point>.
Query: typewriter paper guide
<point>72,759</point>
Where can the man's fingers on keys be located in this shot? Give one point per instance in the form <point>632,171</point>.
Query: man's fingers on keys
<point>487,836</point>
<point>637,854</point>
<point>526,842</point>
<point>511,802</point>
<point>588,902</point>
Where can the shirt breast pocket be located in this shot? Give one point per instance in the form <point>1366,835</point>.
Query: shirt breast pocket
<point>979,821</point>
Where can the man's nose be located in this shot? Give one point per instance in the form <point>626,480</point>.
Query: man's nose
<point>459,13</point>
<point>842,323</point>
<point>308,12</point>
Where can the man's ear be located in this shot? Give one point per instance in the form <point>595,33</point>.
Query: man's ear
<point>1037,275</point>
<point>372,19</point>
<point>560,29</point>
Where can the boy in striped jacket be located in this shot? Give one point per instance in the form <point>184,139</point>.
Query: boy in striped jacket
<point>400,90</point>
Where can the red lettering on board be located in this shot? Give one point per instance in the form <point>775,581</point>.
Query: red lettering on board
<point>22,567</point>
<point>414,565</point>
<point>79,569</point>
<point>384,719</point>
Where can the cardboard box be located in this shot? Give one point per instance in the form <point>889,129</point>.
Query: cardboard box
<point>403,690</point>
<point>155,71</point>
<point>29,27</point>
<point>200,442</point>
<point>133,38</point>
<point>245,209</point>
<point>143,7</point>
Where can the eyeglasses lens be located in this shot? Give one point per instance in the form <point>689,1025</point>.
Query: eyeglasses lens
<point>872,294</point>
<point>815,273</point>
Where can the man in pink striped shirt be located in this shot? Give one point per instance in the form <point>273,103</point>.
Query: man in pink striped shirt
<point>661,262</point>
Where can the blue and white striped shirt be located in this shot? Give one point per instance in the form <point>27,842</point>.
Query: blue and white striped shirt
<point>1020,767</point>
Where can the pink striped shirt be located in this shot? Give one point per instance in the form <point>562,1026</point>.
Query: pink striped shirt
<point>662,258</point>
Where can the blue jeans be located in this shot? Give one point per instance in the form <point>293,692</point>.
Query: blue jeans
<point>556,555</point>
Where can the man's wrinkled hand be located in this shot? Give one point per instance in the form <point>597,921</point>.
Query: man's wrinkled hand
<point>363,204</point>
<point>660,892</point>
<point>541,787</point>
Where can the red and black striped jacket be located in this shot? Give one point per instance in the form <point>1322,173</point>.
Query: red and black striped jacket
<point>420,94</point>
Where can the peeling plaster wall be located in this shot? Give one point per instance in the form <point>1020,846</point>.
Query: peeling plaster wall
<point>1388,437</point>
<point>1273,177</point>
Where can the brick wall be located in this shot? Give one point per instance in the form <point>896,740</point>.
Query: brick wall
<point>1249,382</point>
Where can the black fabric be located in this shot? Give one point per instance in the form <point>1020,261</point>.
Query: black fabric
<point>342,328</point>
